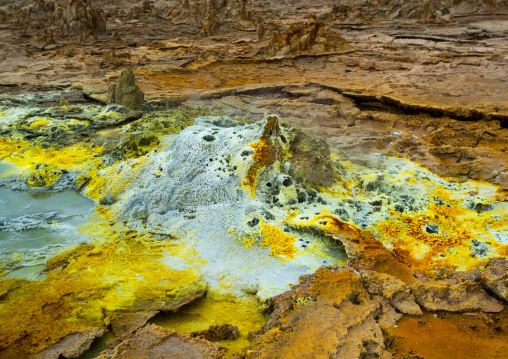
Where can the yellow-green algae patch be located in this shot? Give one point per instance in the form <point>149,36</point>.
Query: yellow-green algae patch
<point>113,180</point>
<point>143,135</point>
<point>246,314</point>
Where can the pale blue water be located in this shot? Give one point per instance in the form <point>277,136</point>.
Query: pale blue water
<point>37,226</point>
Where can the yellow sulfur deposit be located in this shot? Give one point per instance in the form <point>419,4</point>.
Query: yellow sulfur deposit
<point>459,228</point>
<point>10,147</point>
<point>43,175</point>
<point>86,285</point>
<point>265,155</point>
<point>77,156</point>
<point>113,180</point>
<point>245,314</point>
<point>282,245</point>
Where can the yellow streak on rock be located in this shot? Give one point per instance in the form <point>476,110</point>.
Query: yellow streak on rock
<point>265,155</point>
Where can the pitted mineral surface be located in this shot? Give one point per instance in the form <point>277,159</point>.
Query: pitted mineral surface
<point>223,188</point>
<point>227,187</point>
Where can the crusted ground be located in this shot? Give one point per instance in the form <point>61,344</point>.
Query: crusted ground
<point>326,179</point>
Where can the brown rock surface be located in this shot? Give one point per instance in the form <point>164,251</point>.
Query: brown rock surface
<point>71,346</point>
<point>126,93</point>
<point>153,341</point>
<point>461,297</point>
<point>495,277</point>
<point>126,323</point>
<point>217,332</point>
<point>310,159</point>
<point>395,290</point>
<point>447,335</point>
<point>330,315</point>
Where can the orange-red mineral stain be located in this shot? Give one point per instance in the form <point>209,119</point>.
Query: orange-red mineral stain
<point>265,155</point>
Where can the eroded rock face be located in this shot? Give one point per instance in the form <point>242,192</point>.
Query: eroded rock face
<point>433,9</point>
<point>153,341</point>
<point>461,297</point>
<point>313,38</point>
<point>329,315</point>
<point>342,313</point>
<point>217,332</point>
<point>127,323</point>
<point>71,346</point>
<point>395,290</point>
<point>78,16</point>
<point>495,278</point>
<point>310,159</point>
<point>125,92</point>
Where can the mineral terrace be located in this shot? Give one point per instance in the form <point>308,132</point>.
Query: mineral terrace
<point>254,179</point>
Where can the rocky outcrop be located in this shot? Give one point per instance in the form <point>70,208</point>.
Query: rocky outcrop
<point>329,315</point>
<point>217,332</point>
<point>460,297</point>
<point>125,92</point>
<point>342,313</point>
<point>495,278</point>
<point>310,159</point>
<point>78,16</point>
<point>210,15</point>
<point>312,38</point>
<point>71,346</point>
<point>393,289</point>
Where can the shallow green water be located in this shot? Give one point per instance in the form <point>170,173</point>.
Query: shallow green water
<point>15,204</point>
<point>37,226</point>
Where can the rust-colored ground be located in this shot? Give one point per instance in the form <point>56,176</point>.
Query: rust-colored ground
<point>450,335</point>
